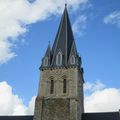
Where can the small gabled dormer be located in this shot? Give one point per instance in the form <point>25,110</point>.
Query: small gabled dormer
<point>47,58</point>
<point>59,58</point>
<point>73,57</point>
<point>45,62</point>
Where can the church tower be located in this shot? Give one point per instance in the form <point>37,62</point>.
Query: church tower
<point>60,95</point>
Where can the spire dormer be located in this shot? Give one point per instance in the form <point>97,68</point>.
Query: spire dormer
<point>47,58</point>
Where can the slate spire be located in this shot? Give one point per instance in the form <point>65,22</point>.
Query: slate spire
<point>48,51</point>
<point>47,56</point>
<point>64,44</point>
<point>64,39</point>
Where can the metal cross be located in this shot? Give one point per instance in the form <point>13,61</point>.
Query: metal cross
<point>65,2</point>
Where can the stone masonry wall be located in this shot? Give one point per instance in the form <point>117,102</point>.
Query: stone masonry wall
<point>56,109</point>
<point>71,75</point>
<point>59,105</point>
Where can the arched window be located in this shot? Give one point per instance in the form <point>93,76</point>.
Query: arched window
<point>46,61</point>
<point>64,85</point>
<point>72,59</point>
<point>51,86</point>
<point>59,59</point>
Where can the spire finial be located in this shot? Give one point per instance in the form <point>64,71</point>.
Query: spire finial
<point>49,42</point>
<point>65,3</point>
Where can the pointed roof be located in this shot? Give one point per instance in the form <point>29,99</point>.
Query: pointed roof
<point>64,43</point>
<point>73,49</point>
<point>48,51</point>
<point>64,39</point>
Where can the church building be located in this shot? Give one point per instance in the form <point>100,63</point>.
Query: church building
<point>60,93</point>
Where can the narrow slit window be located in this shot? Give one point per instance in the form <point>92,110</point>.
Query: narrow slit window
<point>52,87</point>
<point>64,86</point>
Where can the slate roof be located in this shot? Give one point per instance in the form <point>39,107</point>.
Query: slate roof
<point>101,116</point>
<point>16,117</point>
<point>85,116</point>
<point>48,51</point>
<point>64,42</point>
<point>64,38</point>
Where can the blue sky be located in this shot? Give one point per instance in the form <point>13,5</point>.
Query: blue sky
<point>96,27</point>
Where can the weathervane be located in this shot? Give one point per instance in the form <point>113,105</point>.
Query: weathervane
<point>49,42</point>
<point>65,2</point>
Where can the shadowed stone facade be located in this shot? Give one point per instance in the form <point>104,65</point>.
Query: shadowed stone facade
<point>58,102</point>
<point>59,105</point>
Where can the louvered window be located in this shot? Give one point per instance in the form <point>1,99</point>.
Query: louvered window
<point>59,59</point>
<point>46,61</point>
<point>72,59</point>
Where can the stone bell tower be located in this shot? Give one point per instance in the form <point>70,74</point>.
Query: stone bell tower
<point>60,94</point>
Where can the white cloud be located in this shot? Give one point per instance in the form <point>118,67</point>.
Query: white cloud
<point>15,15</point>
<point>79,25</point>
<point>12,104</point>
<point>101,98</point>
<point>30,109</point>
<point>92,87</point>
<point>113,18</point>
<point>9,102</point>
